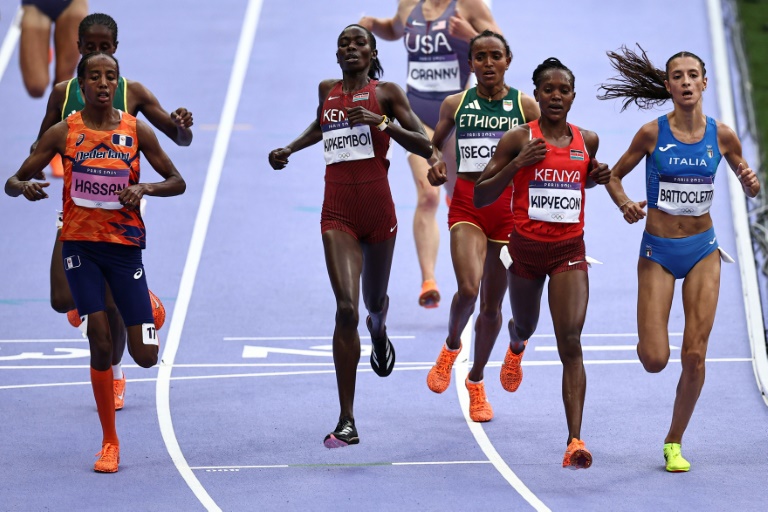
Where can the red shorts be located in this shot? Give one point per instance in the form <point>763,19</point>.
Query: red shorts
<point>364,210</point>
<point>495,220</point>
<point>534,259</point>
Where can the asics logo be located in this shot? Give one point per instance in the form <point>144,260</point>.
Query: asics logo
<point>571,263</point>
<point>668,146</point>
<point>713,241</point>
<point>138,274</point>
<point>393,228</point>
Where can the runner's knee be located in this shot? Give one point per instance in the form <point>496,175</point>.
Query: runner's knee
<point>346,315</point>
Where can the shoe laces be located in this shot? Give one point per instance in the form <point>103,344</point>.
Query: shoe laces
<point>108,452</point>
<point>444,361</point>
<point>574,445</point>
<point>476,392</point>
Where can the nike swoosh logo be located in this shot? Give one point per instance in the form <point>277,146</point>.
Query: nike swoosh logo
<point>571,263</point>
<point>713,241</point>
<point>418,24</point>
<point>668,146</point>
<point>333,97</point>
<point>392,228</point>
<point>120,397</point>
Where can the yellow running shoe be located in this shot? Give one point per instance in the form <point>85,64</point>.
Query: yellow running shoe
<point>119,386</point>
<point>108,459</point>
<point>430,295</point>
<point>480,410</point>
<point>439,377</point>
<point>576,455</point>
<point>511,375</point>
<point>675,461</point>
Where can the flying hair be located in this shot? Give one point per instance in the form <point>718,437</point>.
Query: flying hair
<point>639,81</point>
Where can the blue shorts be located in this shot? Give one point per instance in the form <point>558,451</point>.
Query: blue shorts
<point>88,265</point>
<point>679,255</point>
<point>51,8</point>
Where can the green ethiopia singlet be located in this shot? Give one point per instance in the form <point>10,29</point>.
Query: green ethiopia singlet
<point>480,123</point>
<point>73,101</point>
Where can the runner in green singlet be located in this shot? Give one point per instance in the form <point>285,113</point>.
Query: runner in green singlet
<point>480,116</point>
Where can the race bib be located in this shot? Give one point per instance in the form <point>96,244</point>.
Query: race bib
<point>344,144</point>
<point>554,201</point>
<point>685,195</point>
<point>434,73</point>
<point>476,149</point>
<point>94,187</point>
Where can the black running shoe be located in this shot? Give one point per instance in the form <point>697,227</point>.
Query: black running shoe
<point>382,354</point>
<point>344,435</point>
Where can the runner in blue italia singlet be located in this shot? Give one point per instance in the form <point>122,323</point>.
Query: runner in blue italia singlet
<point>436,35</point>
<point>682,150</point>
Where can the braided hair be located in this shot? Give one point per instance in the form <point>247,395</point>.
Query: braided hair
<point>98,19</point>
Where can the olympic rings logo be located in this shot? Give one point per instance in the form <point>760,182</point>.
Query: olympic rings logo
<point>687,211</point>
<point>557,216</point>
<point>343,156</point>
<point>480,165</point>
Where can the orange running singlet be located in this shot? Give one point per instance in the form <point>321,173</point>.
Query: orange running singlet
<point>97,166</point>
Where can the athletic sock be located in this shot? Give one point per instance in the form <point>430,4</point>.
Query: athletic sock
<point>117,371</point>
<point>103,392</point>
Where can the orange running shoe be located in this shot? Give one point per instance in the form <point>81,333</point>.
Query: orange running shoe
<point>479,409</point>
<point>119,386</point>
<point>439,377</point>
<point>512,371</point>
<point>576,455</point>
<point>430,295</point>
<point>108,459</point>
<point>57,167</point>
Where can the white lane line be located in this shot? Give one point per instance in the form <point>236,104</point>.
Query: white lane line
<point>749,285</point>
<point>48,340</point>
<point>194,254</point>
<point>461,370</point>
<point>301,338</point>
<point>426,366</point>
<point>597,348</point>
<point>304,338</point>
<point>9,42</point>
<point>325,466</point>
